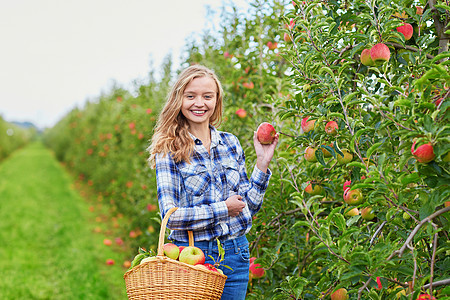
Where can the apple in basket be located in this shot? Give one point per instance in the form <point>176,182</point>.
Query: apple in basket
<point>150,258</point>
<point>171,250</point>
<point>192,255</point>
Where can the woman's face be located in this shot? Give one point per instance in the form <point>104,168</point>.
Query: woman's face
<point>199,101</point>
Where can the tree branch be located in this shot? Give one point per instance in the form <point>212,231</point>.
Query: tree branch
<point>416,229</point>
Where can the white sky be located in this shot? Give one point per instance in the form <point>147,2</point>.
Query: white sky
<point>56,54</point>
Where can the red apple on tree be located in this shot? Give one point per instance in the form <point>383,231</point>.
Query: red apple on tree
<point>310,154</point>
<point>424,153</point>
<point>407,30</point>
<point>171,250</point>
<point>331,127</point>
<point>287,37</point>
<point>339,294</point>
<point>346,158</point>
<point>380,53</point>
<point>241,113</point>
<point>353,197</point>
<point>366,59</point>
<point>367,214</point>
<point>317,190</point>
<point>350,212</point>
<point>347,184</point>
<point>192,255</point>
<point>265,133</point>
<point>306,125</point>
<point>272,45</point>
<point>256,270</point>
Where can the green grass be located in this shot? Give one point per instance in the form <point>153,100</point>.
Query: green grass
<point>47,247</point>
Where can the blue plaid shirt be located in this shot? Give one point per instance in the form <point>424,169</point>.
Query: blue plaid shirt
<point>200,189</point>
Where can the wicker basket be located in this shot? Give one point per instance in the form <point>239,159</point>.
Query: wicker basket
<point>166,278</point>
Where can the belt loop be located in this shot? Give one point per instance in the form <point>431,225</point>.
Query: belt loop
<point>236,248</point>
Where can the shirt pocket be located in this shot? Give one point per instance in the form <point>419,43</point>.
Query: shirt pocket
<point>196,180</point>
<point>232,175</point>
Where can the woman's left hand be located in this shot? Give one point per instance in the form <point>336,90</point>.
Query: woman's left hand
<point>264,152</point>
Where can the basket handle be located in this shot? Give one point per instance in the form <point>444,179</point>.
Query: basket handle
<point>162,232</point>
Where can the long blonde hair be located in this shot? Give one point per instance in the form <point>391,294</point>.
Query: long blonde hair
<point>171,133</point>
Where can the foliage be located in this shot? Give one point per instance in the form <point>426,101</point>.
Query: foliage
<point>13,137</point>
<point>307,244</point>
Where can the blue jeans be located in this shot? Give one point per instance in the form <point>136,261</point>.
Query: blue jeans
<point>237,256</point>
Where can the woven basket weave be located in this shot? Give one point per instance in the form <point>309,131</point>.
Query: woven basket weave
<point>166,278</point>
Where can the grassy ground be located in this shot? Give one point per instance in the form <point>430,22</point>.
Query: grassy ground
<point>47,247</point>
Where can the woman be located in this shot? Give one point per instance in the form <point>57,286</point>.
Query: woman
<point>202,171</point>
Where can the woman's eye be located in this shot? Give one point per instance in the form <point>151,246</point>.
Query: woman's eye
<point>189,97</point>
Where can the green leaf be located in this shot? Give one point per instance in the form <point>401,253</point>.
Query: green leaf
<point>414,177</point>
<point>339,220</point>
<point>372,149</point>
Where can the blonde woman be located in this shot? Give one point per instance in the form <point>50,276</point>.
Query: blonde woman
<point>202,171</point>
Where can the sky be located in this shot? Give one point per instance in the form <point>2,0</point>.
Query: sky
<point>57,54</point>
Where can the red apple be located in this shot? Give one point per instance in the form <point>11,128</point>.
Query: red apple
<point>419,10</point>
<point>327,153</point>
<point>110,262</point>
<point>171,250</point>
<point>118,241</point>
<point>339,294</point>
<point>210,267</point>
<point>426,297</point>
<point>306,125</point>
<point>249,85</point>
<point>331,128</point>
<point>353,197</point>
<point>380,286</point>
<point>424,153</point>
<point>265,133</point>
<point>316,191</point>
<point>272,45</point>
<point>407,30</point>
<point>310,154</point>
<point>287,37</point>
<point>366,59</point>
<point>192,255</point>
<point>241,113</point>
<point>346,158</point>
<point>367,214</point>
<point>347,184</point>
<point>107,242</point>
<point>256,270</point>
<point>252,259</point>
<point>350,212</point>
<point>380,53</point>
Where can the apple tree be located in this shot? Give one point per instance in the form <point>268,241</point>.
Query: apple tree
<point>368,210</point>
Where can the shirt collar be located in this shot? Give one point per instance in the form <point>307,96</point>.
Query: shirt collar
<point>215,137</point>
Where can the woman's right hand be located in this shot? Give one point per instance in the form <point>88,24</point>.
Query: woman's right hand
<point>235,205</point>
